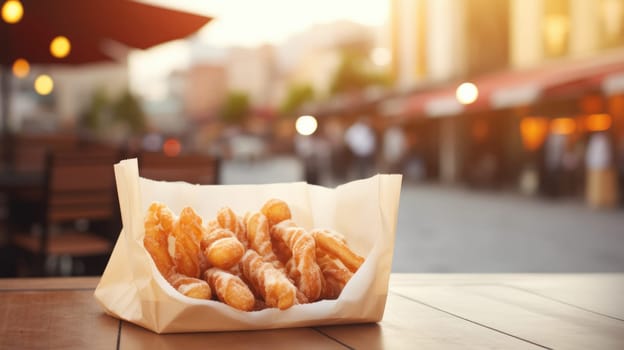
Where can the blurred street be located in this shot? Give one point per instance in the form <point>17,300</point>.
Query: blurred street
<point>453,229</point>
<point>457,230</point>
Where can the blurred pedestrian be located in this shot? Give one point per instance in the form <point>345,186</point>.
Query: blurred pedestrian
<point>339,157</point>
<point>360,139</point>
<point>601,184</point>
<point>394,149</point>
<point>571,164</point>
<point>553,162</point>
<point>314,151</point>
<point>304,148</point>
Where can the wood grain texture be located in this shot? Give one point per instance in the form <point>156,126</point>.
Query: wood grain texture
<point>134,337</point>
<point>54,320</point>
<point>410,325</point>
<point>423,311</point>
<point>525,315</point>
<point>34,284</point>
<point>600,293</point>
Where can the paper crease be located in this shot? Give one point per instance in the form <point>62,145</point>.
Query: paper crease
<point>132,289</point>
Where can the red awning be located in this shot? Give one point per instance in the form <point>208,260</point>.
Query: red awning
<point>521,87</point>
<point>91,26</point>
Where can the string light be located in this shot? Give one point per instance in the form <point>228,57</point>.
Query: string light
<point>21,68</point>
<point>60,47</point>
<point>12,11</point>
<point>44,84</point>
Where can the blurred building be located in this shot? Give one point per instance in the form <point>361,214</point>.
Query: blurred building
<point>202,89</point>
<point>545,70</point>
<point>313,70</point>
<point>252,71</point>
<point>312,56</point>
<point>427,40</point>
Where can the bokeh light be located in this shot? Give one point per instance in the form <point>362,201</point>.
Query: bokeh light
<point>598,122</point>
<point>306,125</point>
<point>44,84</point>
<point>562,126</point>
<point>467,93</point>
<point>533,131</point>
<point>172,147</point>
<point>12,11</point>
<point>21,68</point>
<point>60,47</point>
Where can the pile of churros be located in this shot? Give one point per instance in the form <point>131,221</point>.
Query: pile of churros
<point>261,260</point>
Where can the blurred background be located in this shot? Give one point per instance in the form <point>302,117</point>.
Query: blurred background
<point>505,117</point>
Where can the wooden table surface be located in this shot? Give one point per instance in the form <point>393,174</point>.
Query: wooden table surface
<point>423,311</point>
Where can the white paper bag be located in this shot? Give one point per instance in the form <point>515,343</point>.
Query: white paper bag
<point>364,211</point>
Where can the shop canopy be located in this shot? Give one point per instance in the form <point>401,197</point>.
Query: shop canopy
<point>91,26</point>
<point>516,88</point>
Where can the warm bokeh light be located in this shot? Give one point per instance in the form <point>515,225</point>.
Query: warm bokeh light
<point>306,125</point>
<point>12,11</point>
<point>380,56</point>
<point>562,126</point>
<point>467,93</point>
<point>21,68</point>
<point>172,147</point>
<point>44,84</point>
<point>533,131</point>
<point>60,47</point>
<point>598,122</point>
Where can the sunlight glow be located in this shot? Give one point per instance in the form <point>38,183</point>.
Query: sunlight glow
<point>244,23</point>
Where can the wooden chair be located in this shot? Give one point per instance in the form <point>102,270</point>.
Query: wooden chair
<point>30,150</point>
<point>80,189</point>
<point>28,156</point>
<point>192,168</point>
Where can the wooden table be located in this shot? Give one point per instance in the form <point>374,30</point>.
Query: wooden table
<point>506,311</point>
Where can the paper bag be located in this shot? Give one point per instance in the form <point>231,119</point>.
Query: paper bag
<point>364,211</point>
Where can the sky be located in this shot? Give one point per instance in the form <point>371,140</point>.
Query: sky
<point>253,22</point>
<point>248,23</point>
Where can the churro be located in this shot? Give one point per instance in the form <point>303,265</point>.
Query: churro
<point>305,272</point>
<point>273,286</point>
<point>262,260</point>
<point>230,289</point>
<point>332,244</point>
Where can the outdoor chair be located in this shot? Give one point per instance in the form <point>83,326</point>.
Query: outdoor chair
<point>79,199</point>
<point>29,150</point>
